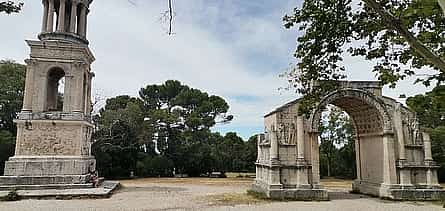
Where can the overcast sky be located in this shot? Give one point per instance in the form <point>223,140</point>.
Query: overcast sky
<point>235,49</point>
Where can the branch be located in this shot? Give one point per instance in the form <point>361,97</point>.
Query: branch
<point>170,12</point>
<point>419,47</point>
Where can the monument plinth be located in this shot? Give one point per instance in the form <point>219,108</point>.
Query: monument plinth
<point>53,145</point>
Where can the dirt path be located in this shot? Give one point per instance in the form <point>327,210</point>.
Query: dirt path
<point>209,194</point>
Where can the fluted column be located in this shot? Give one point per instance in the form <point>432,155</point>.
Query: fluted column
<point>29,86</point>
<point>82,21</point>
<point>259,140</point>
<point>61,18</point>
<point>86,22</point>
<point>273,145</point>
<point>78,93</point>
<point>300,137</point>
<point>45,15</point>
<point>427,146</point>
<point>389,167</point>
<point>399,131</point>
<point>50,22</point>
<point>315,158</point>
<point>73,16</point>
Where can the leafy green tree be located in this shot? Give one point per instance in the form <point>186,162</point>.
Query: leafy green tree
<point>169,123</point>
<point>178,119</point>
<point>7,146</point>
<point>430,107</point>
<point>12,83</point>
<point>9,7</point>
<point>119,137</point>
<point>401,37</point>
<point>251,153</point>
<point>116,150</point>
<point>438,149</point>
<point>335,143</point>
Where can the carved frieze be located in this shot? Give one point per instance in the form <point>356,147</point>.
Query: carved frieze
<point>49,139</point>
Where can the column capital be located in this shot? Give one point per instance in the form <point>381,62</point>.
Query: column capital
<point>31,61</point>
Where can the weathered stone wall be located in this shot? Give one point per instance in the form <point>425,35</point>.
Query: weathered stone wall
<point>392,153</point>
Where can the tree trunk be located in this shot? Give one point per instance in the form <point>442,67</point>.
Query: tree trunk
<point>395,23</point>
<point>329,166</point>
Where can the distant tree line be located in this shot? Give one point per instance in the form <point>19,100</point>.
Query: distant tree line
<point>165,130</point>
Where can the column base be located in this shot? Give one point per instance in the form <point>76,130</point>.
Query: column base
<point>399,192</point>
<point>297,194</point>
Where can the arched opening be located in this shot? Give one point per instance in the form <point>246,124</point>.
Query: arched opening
<point>55,89</point>
<point>337,148</point>
<point>370,122</point>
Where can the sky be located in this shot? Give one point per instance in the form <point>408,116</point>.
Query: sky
<point>235,49</point>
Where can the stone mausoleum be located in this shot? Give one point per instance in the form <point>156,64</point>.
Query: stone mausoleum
<point>53,147</point>
<point>393,153</point>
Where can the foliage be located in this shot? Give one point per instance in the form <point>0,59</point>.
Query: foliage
<point>438,150</point>
<point>401,37</point>
<point>7,146</point>
<point>9,7</point>
<point>116,150</point>
<point>12,83</point>
<point>337,155</point>
<point>12,78</point>
<point>430,110</point>
<point>167,129</point>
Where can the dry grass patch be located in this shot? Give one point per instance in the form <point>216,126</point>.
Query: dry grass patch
<point>332,183</point>
<point>232,199</point>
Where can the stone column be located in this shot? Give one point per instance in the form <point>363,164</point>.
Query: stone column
<point>399,130</point>
<point>358,158</point>
<point>78,91</point>
<point>315,159</point>
<point>300,137</point>
<point>259,139</point>
<point>427,146</point>
<point>88,107</point>
<point>86,22</point>
<point>29,86</point>
<point>273,146</point>
<point>82,21</point>
<point>73,16</point>
<point>61,18</point>
<point>50,23</point>
<point>389,166</point>
<point>67,98</point>
<point>45,15</point>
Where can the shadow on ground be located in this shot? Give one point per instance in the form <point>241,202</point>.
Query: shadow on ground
<point>342,195</point>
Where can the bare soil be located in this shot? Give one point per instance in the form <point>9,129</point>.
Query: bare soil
<point>212,194</point>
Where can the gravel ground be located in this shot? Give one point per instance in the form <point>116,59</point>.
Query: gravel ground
<point>207,194</point>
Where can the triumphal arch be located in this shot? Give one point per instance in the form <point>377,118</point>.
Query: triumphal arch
<point>53,145</point>
<point>393,154</point>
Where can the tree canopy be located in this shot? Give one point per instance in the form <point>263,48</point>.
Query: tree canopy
<point>401,37</point>
<point>9,7</point>
<point>337,147</point>
<point>12,78</point>
<point>165,130</point>
<point>12,84</point>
